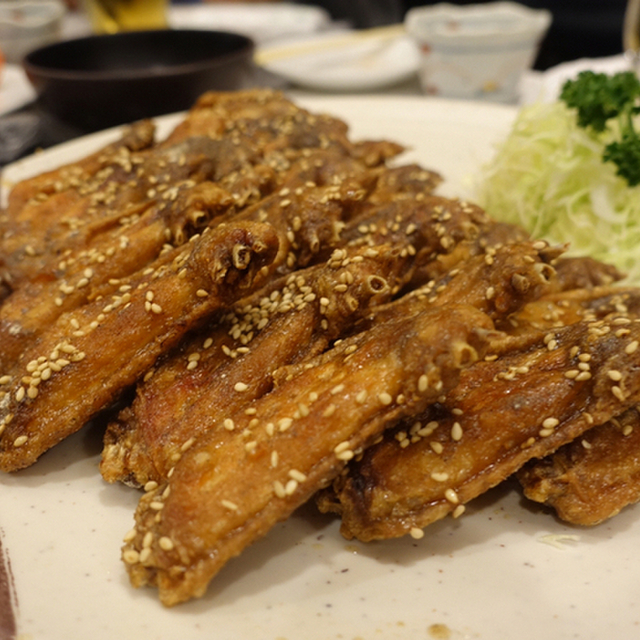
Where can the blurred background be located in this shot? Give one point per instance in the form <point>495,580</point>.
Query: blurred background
<point>580,28</point>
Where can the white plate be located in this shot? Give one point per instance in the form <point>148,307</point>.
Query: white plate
<point>343,60</point>
<point>499,572</point>
<point>262,22</point>
<point>15,89</point>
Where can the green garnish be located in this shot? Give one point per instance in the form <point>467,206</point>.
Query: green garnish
<point>600,98</point>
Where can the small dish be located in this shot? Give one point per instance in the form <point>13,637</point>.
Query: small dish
<point>262,22</point>
<point>27,25</point>
<point>344,60</point>
<point>476,51</point>
<point>101,81</point>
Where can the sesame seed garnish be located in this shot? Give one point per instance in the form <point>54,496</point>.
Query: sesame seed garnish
<point>385,398</point>
<point>631,347</point>
<point>436,447</point>
<point>187,444</point>
<point>278,488</point>
<point>20,440</point>
<point>156,505</point>
<point>329,411</point>
<point>297,475</point>
<point>131,556</point>
<point>617,392</point>
<point>550,423</point>
<point>240,386</point>
<point>228,424</point>
<point>228,504</point>
<point>614,375</point>
<point>416,533</point>
<point>130,536</point>
<point>441,476</point>
<point>456,431</point>
<point>165,543</point>
<point>458,511</point>
<point>451,496</point>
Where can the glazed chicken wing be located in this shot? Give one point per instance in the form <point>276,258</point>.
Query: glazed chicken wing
<point>524,402</point>
<point>259,464</point>
<point>82,363</point>
<point>592,478</point>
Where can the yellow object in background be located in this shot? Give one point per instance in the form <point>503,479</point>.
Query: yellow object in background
<point>112,16</point>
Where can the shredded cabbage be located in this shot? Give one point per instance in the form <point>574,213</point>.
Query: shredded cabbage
<point>549,177</point>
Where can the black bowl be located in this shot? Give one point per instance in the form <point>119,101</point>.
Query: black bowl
<point>101,81</point>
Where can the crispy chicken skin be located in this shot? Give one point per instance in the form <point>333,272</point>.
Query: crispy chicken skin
<point>534,397</point>
<point>592,478</point>
<point>292,441</point>
<point>89,356</point>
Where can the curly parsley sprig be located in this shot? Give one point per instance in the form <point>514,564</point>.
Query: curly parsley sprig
<point>599,98</point>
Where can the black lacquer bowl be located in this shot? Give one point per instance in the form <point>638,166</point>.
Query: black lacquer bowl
<point>101,81</point>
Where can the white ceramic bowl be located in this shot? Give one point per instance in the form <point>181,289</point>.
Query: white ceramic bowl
<point>476,51</point>
<point>27,25</point>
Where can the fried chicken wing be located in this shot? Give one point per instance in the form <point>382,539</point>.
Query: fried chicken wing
<point>536,395</point>
<point>233,485</point>
<point>592,478</point>
<point>90,355</point>
<point>230,363</point>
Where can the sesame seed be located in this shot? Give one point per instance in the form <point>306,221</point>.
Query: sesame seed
<point>165,543</point>
<point>130,556</point>
<point>156,505</point>
<point>416,533</point>
<point>278,488</point>
<point>291,487</point>
<point>240,386</point>
<point>329,411</point>
<point>456,431</point>
<point>451,496</point>
<point>297,475</point>
<point>614,375</point>
<point>228,424</point>
<point>228,504</point>
<point>20,440</point>
<point>550,423</point>
<point>436,447</point>
<point>440,476</point>
<point>617,392</point>
<point>186,445</point>
<point>458,511</point>
<point>130,535</point>
<point>385,398</point>
<point>631,347</point>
